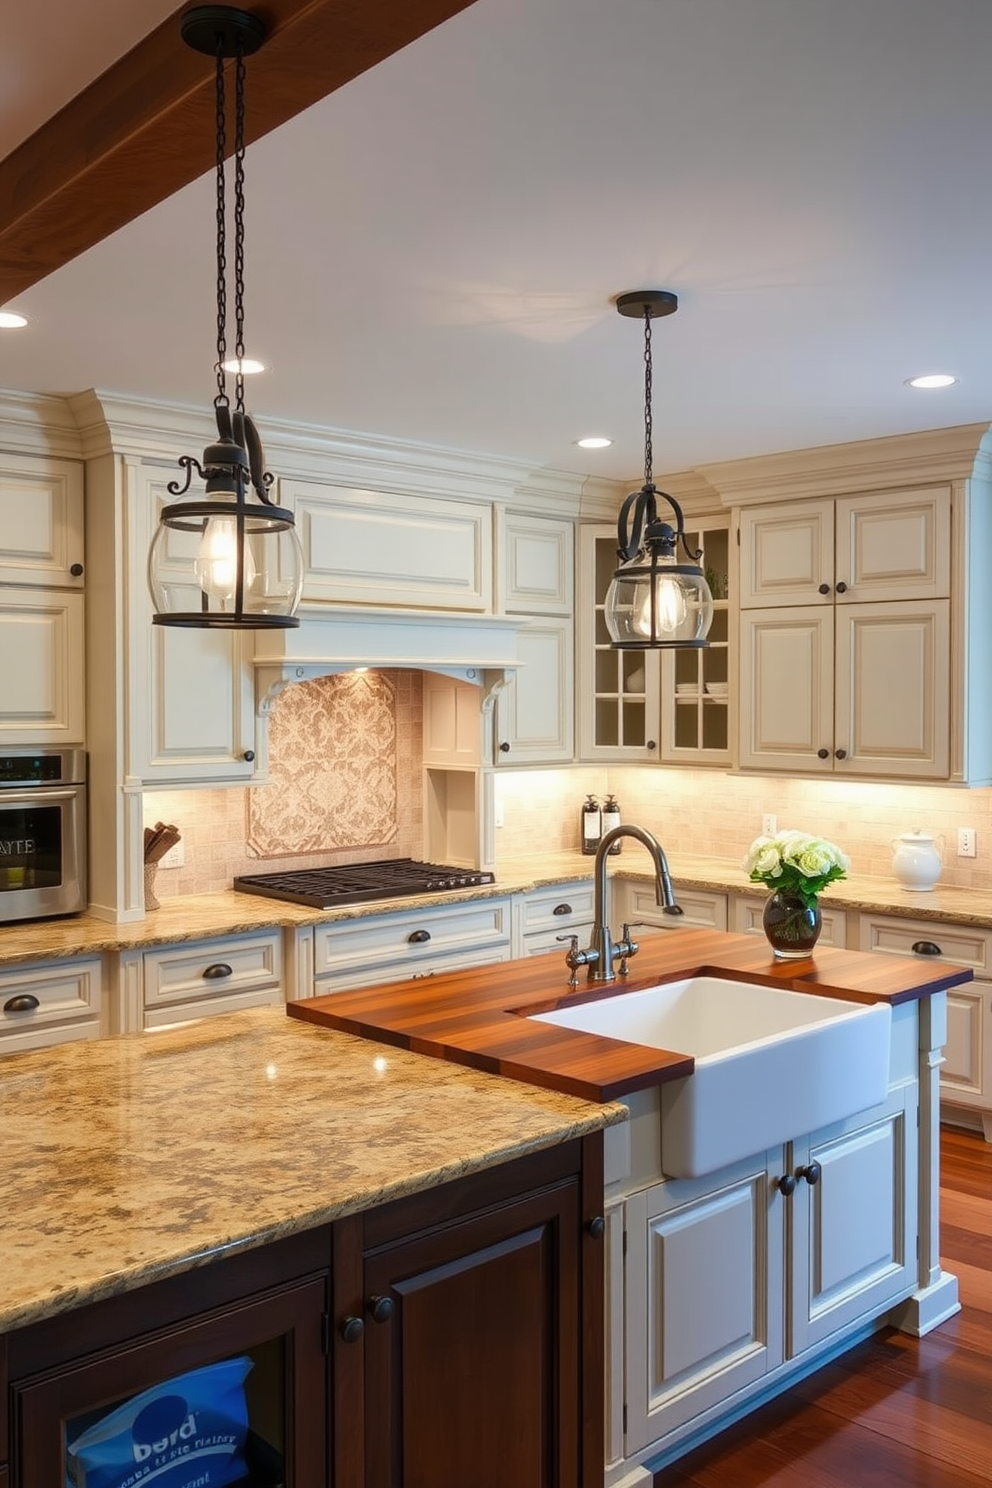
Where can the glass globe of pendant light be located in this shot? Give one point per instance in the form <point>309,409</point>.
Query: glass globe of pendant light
<point>230,559</point>
<point>654,601</point>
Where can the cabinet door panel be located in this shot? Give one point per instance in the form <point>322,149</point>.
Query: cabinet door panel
<point>854,1231</point>
<point>475,1378</point>
<point>41,520</point>
<point>537,557</point>
<point>704,1297</point>
<point>787,688</point>
<point>41,667</point>
<point>963,1075</point>
<point>787,552</point>
<point>895,546</point>
<point>893,689</point>
<point>535,710</point>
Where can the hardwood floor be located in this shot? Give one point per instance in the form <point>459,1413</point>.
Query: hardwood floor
<point>895,1412</point>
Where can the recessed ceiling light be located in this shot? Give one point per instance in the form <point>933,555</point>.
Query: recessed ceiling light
<point>12,320</point>
<point>595,441</point>
<point>249,366</point>
<point>932,380</point>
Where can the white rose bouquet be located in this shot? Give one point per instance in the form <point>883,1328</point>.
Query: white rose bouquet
<point>795,861</point>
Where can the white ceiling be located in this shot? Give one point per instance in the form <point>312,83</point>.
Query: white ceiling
<point>433,250</point>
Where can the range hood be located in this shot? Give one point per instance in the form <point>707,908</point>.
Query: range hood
<point>333,639</point>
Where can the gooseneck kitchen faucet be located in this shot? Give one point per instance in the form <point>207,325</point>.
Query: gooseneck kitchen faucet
<point>598,956</point>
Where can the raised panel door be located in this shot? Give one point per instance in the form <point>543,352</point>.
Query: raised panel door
<point>42,648</point>
<point>473,1370</point>
<point>963,1076</point>
<point>704,1303</point>
<point>537,562</point>
<point>854,1220</point>
<point>893,689</point>
<point>787,689</point>
<point>787,554</point>
<point>41,521</point>
<point>191,692</point>
<point>534,711</point>
<point>894,546</point>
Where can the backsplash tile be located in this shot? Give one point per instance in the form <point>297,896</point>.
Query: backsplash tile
<point>345,769</point>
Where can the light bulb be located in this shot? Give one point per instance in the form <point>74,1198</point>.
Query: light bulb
<point>216,563</point>
<point>670,607</point>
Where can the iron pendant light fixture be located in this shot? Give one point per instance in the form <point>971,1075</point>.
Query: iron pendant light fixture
<point>230,560</point>
<point>654,601</point>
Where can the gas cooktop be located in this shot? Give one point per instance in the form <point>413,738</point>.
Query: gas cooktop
<point>326,888</point>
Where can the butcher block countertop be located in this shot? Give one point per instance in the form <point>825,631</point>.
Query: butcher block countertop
<point>475,1017</point>
<point>134,1158</point>
<point>201,916</point>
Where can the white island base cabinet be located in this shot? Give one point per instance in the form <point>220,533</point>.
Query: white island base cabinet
<point>723,1290</point>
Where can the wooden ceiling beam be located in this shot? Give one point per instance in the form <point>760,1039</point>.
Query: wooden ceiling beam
<point>145,128</point>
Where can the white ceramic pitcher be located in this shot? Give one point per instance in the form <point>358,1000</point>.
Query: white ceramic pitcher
<point>917,859</point>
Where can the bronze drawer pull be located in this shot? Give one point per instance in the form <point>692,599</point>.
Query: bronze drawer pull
<point>24,1002</point>
<point>562,909</point>
<point>419,937</point>
<point>926,948</point>
<point>216,971</point>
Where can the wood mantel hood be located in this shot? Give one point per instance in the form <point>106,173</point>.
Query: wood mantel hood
<point>474,1017</point>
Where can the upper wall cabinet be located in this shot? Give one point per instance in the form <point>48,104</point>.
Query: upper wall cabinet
<point>384,548</point>
<point>890,546</point>
<point>42,635</point>
<point>191,697</point>
<point>673,706</point>
<point>536,560</point>
<point>845,635</point>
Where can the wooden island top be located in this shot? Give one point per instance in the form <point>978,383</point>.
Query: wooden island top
<point>477,1017</point>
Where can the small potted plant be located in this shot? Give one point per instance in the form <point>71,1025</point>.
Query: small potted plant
<point>797,868</point>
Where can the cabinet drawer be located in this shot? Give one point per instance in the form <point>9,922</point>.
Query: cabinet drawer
<point>246,969</point>
<point>346,977</point>
<point>541,941</point>
<point>561,907</point>
<point>748,909</point>
<point>69,998</point>
<point>701,909</point>
<point>961,944</point>
<point>410,938</point>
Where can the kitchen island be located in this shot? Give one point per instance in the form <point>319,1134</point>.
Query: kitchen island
<point>407,1248</point>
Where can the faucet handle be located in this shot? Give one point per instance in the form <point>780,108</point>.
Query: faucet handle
<point>574,958</point>
<point>627,947</point>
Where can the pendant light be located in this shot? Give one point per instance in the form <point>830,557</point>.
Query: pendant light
<point>654,601</point>
<point>230,559</point>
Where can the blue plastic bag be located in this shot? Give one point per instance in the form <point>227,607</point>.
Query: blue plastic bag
<point>187,1432</point>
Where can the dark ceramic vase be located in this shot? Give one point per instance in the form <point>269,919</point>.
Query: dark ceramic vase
<point>791,926</point>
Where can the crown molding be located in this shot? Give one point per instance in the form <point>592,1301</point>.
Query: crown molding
<point>919,458</point>
<point>38,424</point>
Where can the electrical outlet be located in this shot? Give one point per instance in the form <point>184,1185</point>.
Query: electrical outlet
<point>769,824</point>
<point>175,857</point>
<point>967,842</point>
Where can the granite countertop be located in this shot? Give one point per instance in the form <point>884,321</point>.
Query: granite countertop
<point>202,916</point>
<point>132,1158</point>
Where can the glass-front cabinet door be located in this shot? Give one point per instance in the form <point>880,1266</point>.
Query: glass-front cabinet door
<point>695,685</point>
<point>648,705</point>
<point>238,1397</point>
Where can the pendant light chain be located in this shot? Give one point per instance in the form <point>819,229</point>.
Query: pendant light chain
<point>239,228</point>
<point>648,425</point>
<point>221,399</point>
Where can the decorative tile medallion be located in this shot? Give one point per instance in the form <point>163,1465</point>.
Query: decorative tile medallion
<point>333,768</point>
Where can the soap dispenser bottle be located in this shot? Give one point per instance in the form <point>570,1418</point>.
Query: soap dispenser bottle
<point>592,825</point>
<point>611,819</point>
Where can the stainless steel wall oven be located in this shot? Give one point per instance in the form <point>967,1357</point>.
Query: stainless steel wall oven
<point>42,833</point>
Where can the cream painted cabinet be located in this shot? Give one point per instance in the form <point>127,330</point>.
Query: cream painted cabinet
<point>845,636</point>
<point>534,720</point>
<point>747,910</point>
<point>634,903</point>
<point>43,1003</point>
<point>543,919</point>
<point>966,1071</point>
<point>672,706</point>
<point>535,711</point>
<point>388,548</point>
<point>42,626</point>
<point>191,693</point>
<point>198,979</point>
<point>736,1275</point>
